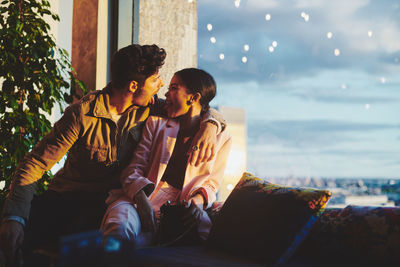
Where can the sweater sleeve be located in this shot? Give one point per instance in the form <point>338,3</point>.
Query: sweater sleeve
<point>133,177</point>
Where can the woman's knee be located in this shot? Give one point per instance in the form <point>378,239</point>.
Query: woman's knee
<point>121,220</point>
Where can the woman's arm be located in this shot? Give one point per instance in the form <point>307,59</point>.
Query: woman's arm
<point>133,177</point>
<point>134,183</point>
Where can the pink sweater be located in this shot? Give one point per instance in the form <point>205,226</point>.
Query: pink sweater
<point>152,156</point>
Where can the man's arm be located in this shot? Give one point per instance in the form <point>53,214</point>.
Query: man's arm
<point>17,206</point>
<point>44,155</point>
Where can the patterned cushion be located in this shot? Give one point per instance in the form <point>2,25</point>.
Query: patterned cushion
<point>360,234</point>
<point>266,222</point>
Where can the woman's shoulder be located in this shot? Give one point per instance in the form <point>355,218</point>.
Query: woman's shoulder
<point>159,121</point>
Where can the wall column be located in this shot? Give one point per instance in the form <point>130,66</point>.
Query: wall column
<point>84,41</point>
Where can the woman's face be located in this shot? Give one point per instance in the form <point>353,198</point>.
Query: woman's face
<point>177,98</point>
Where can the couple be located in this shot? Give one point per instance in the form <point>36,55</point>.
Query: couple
<point>99,134</point>
<point>159,171</point>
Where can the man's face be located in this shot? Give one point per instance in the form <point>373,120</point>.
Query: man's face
<point>151,86</point>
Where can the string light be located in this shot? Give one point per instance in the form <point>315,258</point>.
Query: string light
<point>370,33</point>
<point>246,47</point>
<point>274,43</point>
<point>213,40</point>
<point>244,59</point>
<point>237,3</point>
<point>336,52</point>
<point>329,35</point>
<point>209,27</point>
<point>268,17</point>
<point>271,48</point>
<point>305,16</point>
<point>221,56</point>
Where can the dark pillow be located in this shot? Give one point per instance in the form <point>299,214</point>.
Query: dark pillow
<point>363,235</point>
<point>266,222</point>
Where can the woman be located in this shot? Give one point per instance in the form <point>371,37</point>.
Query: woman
<point>160,171</point>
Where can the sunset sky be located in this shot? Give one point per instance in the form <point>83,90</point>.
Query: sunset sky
<point>319,80</point>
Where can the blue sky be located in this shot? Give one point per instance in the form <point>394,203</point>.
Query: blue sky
<point>321,84</point>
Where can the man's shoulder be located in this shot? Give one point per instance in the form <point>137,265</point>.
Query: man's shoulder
<point>92,95</point>
<point>86,101</point>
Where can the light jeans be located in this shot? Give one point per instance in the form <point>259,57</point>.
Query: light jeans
<point>122,219</point>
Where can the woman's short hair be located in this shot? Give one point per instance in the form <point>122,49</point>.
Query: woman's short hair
<point>135,62</point>
<point>199,81</point>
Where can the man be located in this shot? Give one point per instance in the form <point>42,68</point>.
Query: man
<point>99,133</point>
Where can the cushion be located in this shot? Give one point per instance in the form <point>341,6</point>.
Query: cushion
<point>361,234</point>
<point>266,222</point>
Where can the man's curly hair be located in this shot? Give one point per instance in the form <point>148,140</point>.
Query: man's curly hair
<point>135,62</point>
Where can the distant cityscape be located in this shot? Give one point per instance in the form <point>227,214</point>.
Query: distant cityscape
<point>351,191</point>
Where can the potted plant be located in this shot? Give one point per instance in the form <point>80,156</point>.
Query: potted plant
<point>35,75</point>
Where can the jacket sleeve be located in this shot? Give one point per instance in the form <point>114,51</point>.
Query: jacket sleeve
<point>133,176</point>
<point>215,116</point>
<point>43,156</point>
<point>209,188</point>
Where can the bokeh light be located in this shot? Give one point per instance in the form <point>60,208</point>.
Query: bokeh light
<point>329,35</point>
<point>246,47</point>
<point>209,27</point>
<point>336,52</point>
<point>271,48</point>
<point>221,56</point>
<point>244,59</point>
<point>268,17</point>
<point>237,3</point>
<point>213,40</point>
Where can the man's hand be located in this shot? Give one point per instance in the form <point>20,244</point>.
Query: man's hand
<point>146,212</point>
<point>11,237</point>
<point>203,144</point>
<point>194,210</point>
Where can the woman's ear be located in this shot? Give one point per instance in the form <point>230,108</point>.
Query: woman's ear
<point>196,97</point>
<point>133,86</point>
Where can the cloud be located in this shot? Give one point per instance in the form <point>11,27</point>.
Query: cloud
<point>303,48</point>
<point>309,133</point>
<point>335,97</point>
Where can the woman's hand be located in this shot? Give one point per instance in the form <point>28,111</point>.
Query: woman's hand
<point>194,210</point>
<point>146,212</point>
<point>203,144</point>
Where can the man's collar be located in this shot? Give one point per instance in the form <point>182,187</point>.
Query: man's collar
<point>102,104</point>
